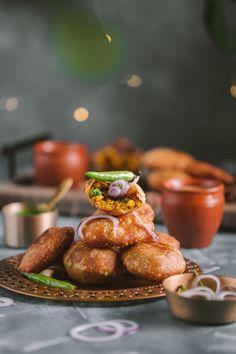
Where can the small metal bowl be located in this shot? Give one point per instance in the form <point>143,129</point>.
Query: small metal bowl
<point>20,231</point>
<point>201,311</point>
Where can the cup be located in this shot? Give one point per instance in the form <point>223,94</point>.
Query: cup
<point>21,231</point>
<point>192,210</point>
<point>56,160</point>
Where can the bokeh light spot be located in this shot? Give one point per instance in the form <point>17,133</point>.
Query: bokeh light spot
<point>81,114</point>
<point>11,104</point>
<point>134,81</point>
<point>109,38</point>
<point>233,90</point>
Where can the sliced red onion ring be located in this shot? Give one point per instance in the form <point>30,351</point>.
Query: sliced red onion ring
<point>195,292</point>
<point>221,295</point>
<point>131,328</point>
<point>118,188</point>
<point>135,181</point>
<point>207,276</point>
<point>151,233</point>
<point>5,301</point>
<point>93,217</point>
<point>118,331</point>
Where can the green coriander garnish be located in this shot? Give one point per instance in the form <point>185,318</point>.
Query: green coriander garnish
<point>95,192</point>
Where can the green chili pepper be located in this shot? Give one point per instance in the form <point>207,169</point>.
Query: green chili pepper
<point>111,175</point>
<point>43,279</point>
<point>95,192</point>
<point>181,288</point>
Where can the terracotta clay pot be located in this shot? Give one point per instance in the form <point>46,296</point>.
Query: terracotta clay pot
<point>56,160</point>
<point>192,210</point>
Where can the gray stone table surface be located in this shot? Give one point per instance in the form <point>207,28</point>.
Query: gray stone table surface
<point>32,326</point>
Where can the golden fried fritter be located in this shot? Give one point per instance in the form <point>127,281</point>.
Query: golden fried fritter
<point>47,249</point>
<point>101,232</point>
<point>132,200</point>
<point>156,178</point>
<point>206,170</point>
<point>168,240</point>
<point>153,260</point>
<point>92,265</point>
<point>166,158</point>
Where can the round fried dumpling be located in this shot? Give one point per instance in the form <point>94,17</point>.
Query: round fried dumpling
<point>153,260</point>
<point>91,265</point>
<point>102,233</point>
<point>166,158</point>
<point>47,249</point>
<point>97,193</point>
<point>168,240</point>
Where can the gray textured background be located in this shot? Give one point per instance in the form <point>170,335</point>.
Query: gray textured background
<point>184,100</point>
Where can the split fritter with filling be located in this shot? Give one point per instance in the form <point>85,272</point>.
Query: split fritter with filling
<point>97,193</point>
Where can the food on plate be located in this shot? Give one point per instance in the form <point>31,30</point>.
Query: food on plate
<point>120,154</point>
<point>102,230</point>
<point>46,280</point>
<point>207,287</point>
<point>47,249</point>
<point>118,197</point>
<point>166,158</point>
<point>153,260</point>
<point>112,241</point>
<point>168,240</point>
<point>92,265</point>
<point>156,178</point>
<point>206,170</point>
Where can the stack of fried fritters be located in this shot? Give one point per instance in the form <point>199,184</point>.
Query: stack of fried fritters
<point>105,252</point>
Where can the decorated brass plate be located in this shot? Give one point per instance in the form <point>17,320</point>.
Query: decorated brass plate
<point>127,288</point>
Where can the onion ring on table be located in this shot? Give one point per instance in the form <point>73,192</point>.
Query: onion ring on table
<point>5,301</point>
<point>130,329</point>
<point>75,332</point>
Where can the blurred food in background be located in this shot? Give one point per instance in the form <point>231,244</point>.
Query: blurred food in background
<point>165,163</point>
<point>120,154</point>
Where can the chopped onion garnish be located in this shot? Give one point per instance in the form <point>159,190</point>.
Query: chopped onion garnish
<point>151,233</point>
<point>114,220</point>
<point>131,328</point>
<point>193,292</point>
<point>223,294</point>
<point>199,291</point>
<point>118,188</point>
<point>201,277</point>
<point>5,301</point>
<point>135,181</point>
<point>113,328</point>
<point>220,292</point>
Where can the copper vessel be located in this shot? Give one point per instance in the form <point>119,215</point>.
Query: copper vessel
<point>199,310</point>
<point>192,210</point>
<point>20,231</point>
